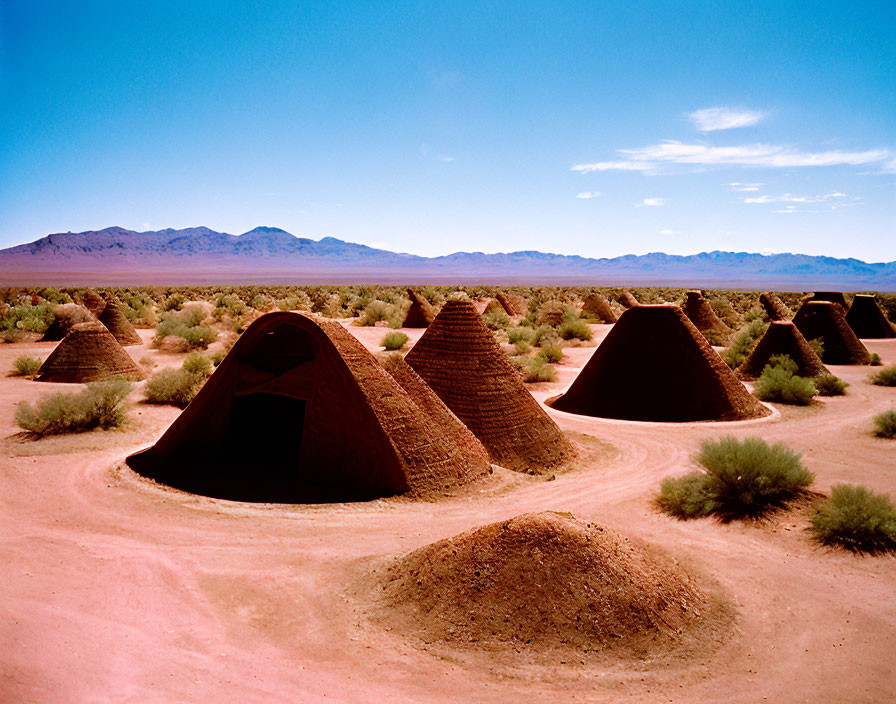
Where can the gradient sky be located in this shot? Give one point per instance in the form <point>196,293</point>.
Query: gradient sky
<point>592,128</point>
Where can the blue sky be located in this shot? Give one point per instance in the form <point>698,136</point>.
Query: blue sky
<point>593,128</point>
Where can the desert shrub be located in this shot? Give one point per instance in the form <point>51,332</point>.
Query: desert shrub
<point>218,357</point>
<point>817,345</point>
<point>522,333</point>
<point>394,340</point>
<point>885,377</point>
<point>496,319</point>
<point>885,424</point>
<point>176,387</point>
<point>716,338</point>
<point>100,405</point>
<point>685,497</point>
<point>10,335</point>
<point>27,318</point>
<point>197,363</point>
<point>186,325</point>
<point>173,302</point>
<point>876,361</point>
<point>829,385</point>
<point>147,362</point>
<point>538,369</point>
<point>778,382</point>
<point>856,518</point>
<point>522,347</point>
<point>551,352</point>
<point>741,478</point>
<point>744,342</point>
<point>377,311</point>
<point>545,335</point>
<point>575,330</point>
<point>25,366</point>
<point>54,295</point>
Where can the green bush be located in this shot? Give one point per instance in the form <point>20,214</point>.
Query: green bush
<point>538,369</point>
<point>496,319</point>
<point>520,334</point>
<point>741,478</point>
<point>817,346</point>
<point>829,385</point>
<point>197,363</point>
<point>187,325</point>
<point>885,377</point>
<point>394,340</point>
<point>545,335</point>
<point>551,353</point>
<point>378,311</point>
<point>876,361</point>
<point>25,366</point>
<point>176,387</point>
<point>575,330</point>
<point>779,383</point>
<point>885,424</point>
<point>744,342</point>
<point>100,405</point>
<point>857,519</point>
<point>27,318</point>
<point>521,347</point>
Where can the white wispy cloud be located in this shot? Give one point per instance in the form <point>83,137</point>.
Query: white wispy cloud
<point>790,198</point>
<point>667,231</point>
<point>652,202</point>
<point>672,152</point>
<point>587,195</point>
<point>745,186</point>
<point>446,158</point>
<point>713,119</point>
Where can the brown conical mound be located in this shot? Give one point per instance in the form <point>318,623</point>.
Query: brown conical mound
<point>701,314</point>
<point>832,296</point>
<point>596,306</point>
<point>655,365</point>
<point>118,325</point>
<point>774,307</point>
<point>88,353</point>
<point>459,359</point>
<point>94,303</point>
<point>627,299</point>
<point>825,320</point>
<point>867,319</point>
<point>65,317</point>
<point>782,337</point>
<point>512,303</point>
<point>543,580</point>
<point>458,436</point>
<point>300,411</point>
<point>420,314</point>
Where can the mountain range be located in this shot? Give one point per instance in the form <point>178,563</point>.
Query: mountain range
<point>199,255</point>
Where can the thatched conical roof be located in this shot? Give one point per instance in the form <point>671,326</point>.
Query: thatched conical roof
<point>512,303</point>
<point>782,337</point>
<point>654,365</point>
<point>118,325</point>
<point>421,312</point>
<point>597,306</point>
<point>94,302</point>
<point>867,319</point>
<point>65,317</point>
<point>701,314</point>
<point>459,359</point>
<point>825,320</point>
<point>88,353</point>
<point>627,299</point>
<point>300,411</point>
<point>774,307</point>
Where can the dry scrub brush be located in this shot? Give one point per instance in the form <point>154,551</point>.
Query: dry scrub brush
<point>100,405</point>
<point>856,518</point>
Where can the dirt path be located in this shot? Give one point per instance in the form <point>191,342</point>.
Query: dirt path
<point>117,590</point>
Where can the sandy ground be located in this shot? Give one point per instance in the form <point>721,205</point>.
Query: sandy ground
<point>113,589</point>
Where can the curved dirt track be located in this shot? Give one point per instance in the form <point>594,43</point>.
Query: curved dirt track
<point>117,590</point>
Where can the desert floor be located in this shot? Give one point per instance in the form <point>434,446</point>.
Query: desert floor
<point>114,589</point>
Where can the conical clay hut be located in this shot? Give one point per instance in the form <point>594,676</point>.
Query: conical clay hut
<point>512,303</point>
<point>832,296</point>
<point>867,320</point>
<point>825,320</point>
<point>596,306</point>
<point>420,314</point>
<point>65,317</point>
<point>782,337</point>
<point>88,353</point>
<point>459,359</point>
<point>654,365</point>
<point>118,325</point>
<point>627,299</point>
<point>95,303</point>
<point>701,314</point>
<point>774,307</point>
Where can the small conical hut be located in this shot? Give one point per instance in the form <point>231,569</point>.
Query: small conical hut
<point>512,303</point>
<point>832,296</point>
<point>825,320</point>
<point>459,359</point>
<point>421,312</point>
<point>774,307</point>
<point>654,365</point>
<point>88,353</point>
<point>596,306</point>
<point>65,317</point>
<point>627,299</point>
<point>542,581</point>
<point>782,337</point>
<point>867,320</point>
<point>300,411</point>
<point>95,303</point>
<point>118,325</point>
<point>701,314</point>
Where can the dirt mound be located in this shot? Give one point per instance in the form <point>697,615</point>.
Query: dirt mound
<point>597,306</point>
<point>543,580</point>
<point>420,314</point>
<point>701,314</point>
<point>95,303</point>
<point>627,299</point>
<point>825,320</point>
<point>782,337</point>
<point>867,320</point>
<point>512,303</point>
<point>774,307</point>
<point>88,353</point>
<point>118,325</point>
